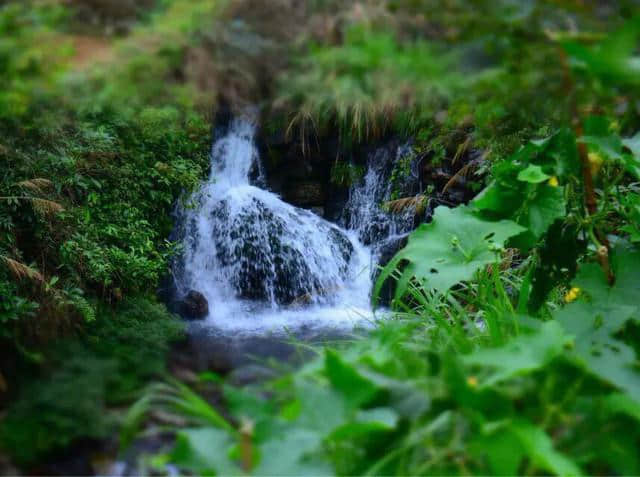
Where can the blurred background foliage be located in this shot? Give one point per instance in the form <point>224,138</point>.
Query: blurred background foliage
<point>105,118</point>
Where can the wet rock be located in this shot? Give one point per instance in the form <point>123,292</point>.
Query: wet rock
<point>194,305</point>
<point>271,254</point>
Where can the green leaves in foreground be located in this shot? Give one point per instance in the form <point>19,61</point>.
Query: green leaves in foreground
<point>598,320</point>
<point>448,250</point>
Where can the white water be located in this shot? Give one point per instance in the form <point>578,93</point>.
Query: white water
<point>242,243</point>
<point>363,211</point>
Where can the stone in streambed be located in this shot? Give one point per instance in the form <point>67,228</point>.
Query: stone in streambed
<point>194,306</point>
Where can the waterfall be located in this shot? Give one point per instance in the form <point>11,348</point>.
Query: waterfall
<point>383,232</point>
<point>260,262</point>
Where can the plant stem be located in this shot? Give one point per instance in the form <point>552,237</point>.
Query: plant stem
<point>590,199</point>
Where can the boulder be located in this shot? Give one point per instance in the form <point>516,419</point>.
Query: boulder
<point>194,306</point>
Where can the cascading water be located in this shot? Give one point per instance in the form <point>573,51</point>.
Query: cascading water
<point>364,213</point>
<point>261,263</point>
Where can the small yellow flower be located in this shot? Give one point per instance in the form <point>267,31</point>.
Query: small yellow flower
<point>553,182</point>
<point>472,381</point>
<point>595,163</point>
<point>572,294</point>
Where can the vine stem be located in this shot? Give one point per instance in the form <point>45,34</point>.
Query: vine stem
<point>590,199</point>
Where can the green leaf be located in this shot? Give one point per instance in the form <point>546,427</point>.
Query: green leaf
<point>633,144</point>
<point>558,155</point>
<point>450,249</point>
<point>622,404</point>
<point>522,355</point>
<point>367,422</point>
<point>294,452</point>
<point>612,59</point>
<point>503,451</point>
<point>533,174</point>
<point>204,451</point>
<point>535,204</point>
<point>625,264</point>
<point>538,446</point>
<point>542,207</point>
<point>321,408</point>
<point>557,262</point>
<point>610,145</point>
<point>601,313</point>
<point>632,162</point>
<point>503,196</point>
<point>506,443</point>
<point>355,388</point>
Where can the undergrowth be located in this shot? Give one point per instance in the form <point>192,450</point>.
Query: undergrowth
<point>85,379</point>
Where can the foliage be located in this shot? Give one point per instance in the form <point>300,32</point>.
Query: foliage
<point>92,160</point>
<point>345,173</point>
<point>121,349</point>
<point>367,81</point>
<point>89,179</point>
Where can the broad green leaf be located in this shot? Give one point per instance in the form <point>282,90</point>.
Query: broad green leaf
<point>542,207</point>
<point>294,452</point>
<point>321,408</point>
<point>506,443</point>
<point>622,404</point>
<point>366,423</point>
<point>632,161</point>
<point>503,451</point>
<point>344,378</point>
<point>534,205</point>
<point>538,446</point>
<point>533,174</point>
<point>503,196</point>
<point>450,249</point>
<point>600,313</point>
<point>521,355</point>
<point>558,155</point>
<point>626,290</point>
<point>204,451</point>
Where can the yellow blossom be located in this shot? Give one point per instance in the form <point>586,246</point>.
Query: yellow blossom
<point>595,163</point>
<point>472,381</point>
<point>572,294</point>
<point>553,182</point>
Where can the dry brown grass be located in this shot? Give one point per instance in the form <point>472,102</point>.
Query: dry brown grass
<point>37,185</point>
<point>21,271</point>
<point>417,203</point>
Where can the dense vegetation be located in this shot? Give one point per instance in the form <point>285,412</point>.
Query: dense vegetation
<point>513,344</point>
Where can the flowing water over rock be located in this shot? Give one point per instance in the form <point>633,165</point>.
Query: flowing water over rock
<point>364,212</point>
<point>262,264</point>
